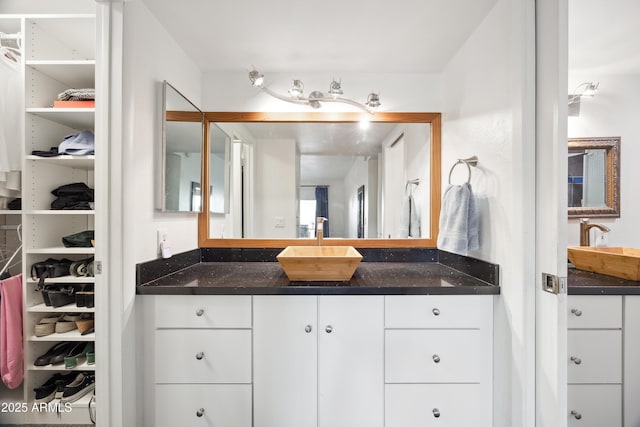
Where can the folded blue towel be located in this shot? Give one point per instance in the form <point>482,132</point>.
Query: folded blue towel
<point>459,220</point>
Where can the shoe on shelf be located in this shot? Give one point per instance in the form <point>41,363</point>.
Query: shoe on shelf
<point>67,323</point>
<point>58,349</point>
<point>54,385</point>
<point>73,349</point>
<point>85,322</point>
<point>84,383</point>
<point>46,326</point>
<point>71,362</point>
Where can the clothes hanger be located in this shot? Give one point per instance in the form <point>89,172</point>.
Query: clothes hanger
<point>16,252</point>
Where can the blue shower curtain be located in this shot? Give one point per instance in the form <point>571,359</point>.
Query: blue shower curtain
<point>322,207</point>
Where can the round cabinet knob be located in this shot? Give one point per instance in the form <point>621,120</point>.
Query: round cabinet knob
<point>436,311</point>
<point>576,311</point>
<point>576,360</point>
<point>436,358</point>
<point>436,412</point>
<point>200,412</point>
<point>199,312</point>
<point>200,356</point>
<point>329,329</point>
<point>308,328</point>
<point>577,415</point>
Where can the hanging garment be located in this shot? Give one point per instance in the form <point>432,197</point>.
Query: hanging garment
<point>11,350</point>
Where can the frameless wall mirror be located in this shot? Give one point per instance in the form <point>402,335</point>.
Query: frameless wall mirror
<point>594,177</point>
<point>275,173</point>
<point>181,164</point>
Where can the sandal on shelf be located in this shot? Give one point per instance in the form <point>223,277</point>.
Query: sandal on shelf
<point>85,323</point>
<point>46,326</point>
<point>71,361</point>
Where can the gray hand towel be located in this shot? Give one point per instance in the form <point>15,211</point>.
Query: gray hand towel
<point>459,220</point>
<point>409,221</point>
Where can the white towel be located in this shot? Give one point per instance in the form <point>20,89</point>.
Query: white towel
<point>459,220</point>
<point>409,221</point>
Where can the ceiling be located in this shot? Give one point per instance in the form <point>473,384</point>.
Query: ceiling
<point>417,36</point>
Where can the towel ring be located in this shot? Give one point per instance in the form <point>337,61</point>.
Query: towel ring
<point>471,161</point>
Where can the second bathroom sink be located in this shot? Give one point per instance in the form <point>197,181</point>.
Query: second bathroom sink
<point>612,261</point>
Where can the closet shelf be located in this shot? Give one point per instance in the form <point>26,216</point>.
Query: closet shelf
<point>76,118</point>
<point>73,73</point>
<point>67,336</point>
<point>81,367</point>
<point>76,162</point>
<point>9,212</point>
<point>65,279</point>
<point>59,212</point>
<point>61,250</point>
<point>71,308</point>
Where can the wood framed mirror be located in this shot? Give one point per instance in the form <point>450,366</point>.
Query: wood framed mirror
<point>412,139</point>
<point>594,177</point>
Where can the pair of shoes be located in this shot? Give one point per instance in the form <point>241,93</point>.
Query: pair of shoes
<point>67,322</point>
<point>56,354</point>
<point>83,383</point>
<point>46,326</point>
<point>71,361</point>
<point>53,387</point>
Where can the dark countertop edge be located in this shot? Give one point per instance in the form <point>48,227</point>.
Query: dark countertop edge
<point>604,290</point>
<point>319,290</point>
<point>582,282</point>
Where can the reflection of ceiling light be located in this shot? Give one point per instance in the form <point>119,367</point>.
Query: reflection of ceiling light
<point>364,124</point>
<point>315,98</point>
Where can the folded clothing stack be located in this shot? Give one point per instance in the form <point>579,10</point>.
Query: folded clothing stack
<point>73,197</point>
<point>77,94</point>
<point>77,144</point>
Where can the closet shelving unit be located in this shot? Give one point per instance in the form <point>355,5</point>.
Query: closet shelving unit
<point>59,54</point>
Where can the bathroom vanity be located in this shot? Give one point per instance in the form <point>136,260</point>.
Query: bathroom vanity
<point>603,350</point>
<point>236,344</point>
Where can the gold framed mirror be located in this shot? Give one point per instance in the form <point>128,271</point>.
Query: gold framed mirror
<point>213,229</point>
<point>594,177</point>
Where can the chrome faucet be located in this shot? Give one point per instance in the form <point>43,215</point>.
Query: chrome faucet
<point>585,227</point>
<point>319,229</point>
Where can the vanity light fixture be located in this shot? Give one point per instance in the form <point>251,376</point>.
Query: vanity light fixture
<point>587,89</point>
<point>315,98</point>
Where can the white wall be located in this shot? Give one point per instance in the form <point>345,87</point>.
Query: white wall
<point>482,97</point>
<point>612,112</point>
<point>357,176</point>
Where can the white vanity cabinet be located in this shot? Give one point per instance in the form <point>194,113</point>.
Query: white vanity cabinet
<point>438,361</point>
<point>318,361</point>
<point>595,360</point>
<point>202,360</point>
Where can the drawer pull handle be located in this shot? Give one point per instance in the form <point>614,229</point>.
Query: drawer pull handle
<point>308,329</point>
<point>200,356</point>
<point>329,329</point>
<point>199,312</point>
<point>577,415</point>
<point>200,412</point>
<point>436,358</point>
<point>576,360</point>
<point>436,312</point>
<point>436,412</point>
<point>576,311</point>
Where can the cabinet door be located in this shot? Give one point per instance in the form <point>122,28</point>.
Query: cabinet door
<point>285,376</point>
<point>595,356</point>
<point>350,361</point>
<point>595,405</point>
<point>631,381</point>
<point>594,311</point>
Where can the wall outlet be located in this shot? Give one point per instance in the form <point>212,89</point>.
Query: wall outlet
<point>279,222</point>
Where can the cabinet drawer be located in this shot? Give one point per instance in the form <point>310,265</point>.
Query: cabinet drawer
<point>441,405</point>
<point>438,311</point>
<point>203,356</point>
<point>223,405</point>
<point>595,356</point>
<point>436,356</point>
<point>595,405</point>
<point>600,311</point>
<point>203,311</point>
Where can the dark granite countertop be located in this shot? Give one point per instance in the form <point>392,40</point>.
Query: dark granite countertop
<point>580,282</point>
<point>370,278</point>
